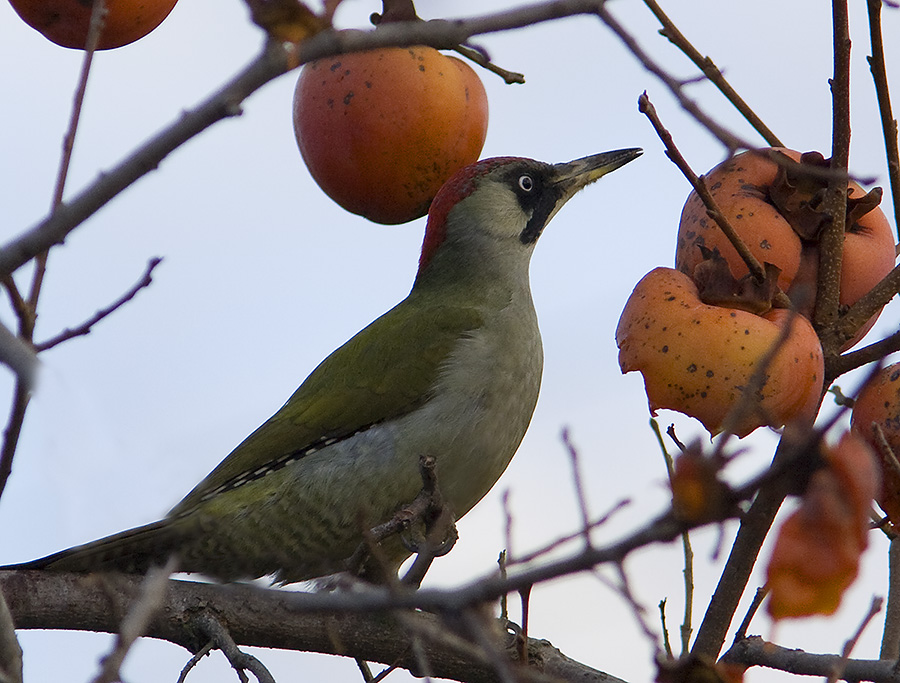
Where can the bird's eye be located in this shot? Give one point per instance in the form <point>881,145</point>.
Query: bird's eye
<point>526,182</point>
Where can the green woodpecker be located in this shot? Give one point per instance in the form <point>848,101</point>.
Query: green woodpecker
<point>452,372</point>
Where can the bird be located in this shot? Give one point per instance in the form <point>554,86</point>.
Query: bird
<point>451,373</point>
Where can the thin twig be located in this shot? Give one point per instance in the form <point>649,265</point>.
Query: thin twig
<point>843,328</point>
<point>731,141</point>
<point>482,60</point>
<point>13,429</point>
<point>837,366</point>
<point>193,661</point>
<point>839,667</point>
<point>712,73</point>
<point>688,570</point>
<point>85,327</point>
<point>240,661</point>
<point>755,604</point>
<point>137,620</point>
<point>667,645</point>
<point>883,93</point>
<point>579,487</point>
<point>757,270</point>
<point>562,540</point>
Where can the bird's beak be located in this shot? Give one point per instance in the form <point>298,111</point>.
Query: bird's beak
<point>569,178</point>
<point>575,175</point>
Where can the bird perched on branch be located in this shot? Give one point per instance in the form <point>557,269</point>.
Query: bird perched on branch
<point>451,373</point>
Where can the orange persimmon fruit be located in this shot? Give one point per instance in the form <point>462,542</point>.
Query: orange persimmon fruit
<point>382,130</point>
<point>772,214</point>
<point>65,22</point>
<point>698,359</point>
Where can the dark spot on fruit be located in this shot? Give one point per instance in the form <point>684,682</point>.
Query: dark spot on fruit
<point>348,97</point>
<point>710,373</point>
<point>335,66</point>
<point>692,368</point>
<point>665,349</point>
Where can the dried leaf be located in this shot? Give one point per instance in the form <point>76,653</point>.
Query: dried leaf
<point>698,495</point>
<point>817,551</point>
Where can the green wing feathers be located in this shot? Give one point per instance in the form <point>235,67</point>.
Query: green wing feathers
<point>384,371</point>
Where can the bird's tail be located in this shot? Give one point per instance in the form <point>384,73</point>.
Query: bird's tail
<point>133,551</point>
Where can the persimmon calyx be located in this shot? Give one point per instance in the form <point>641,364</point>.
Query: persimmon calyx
<point>718,286</point>
<point>799,197</point>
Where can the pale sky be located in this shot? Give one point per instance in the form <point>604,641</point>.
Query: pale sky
<point>263,276</point>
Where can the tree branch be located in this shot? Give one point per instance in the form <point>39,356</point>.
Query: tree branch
<point>85,327</point>
<point>754,651</point>
<point>268,618</point>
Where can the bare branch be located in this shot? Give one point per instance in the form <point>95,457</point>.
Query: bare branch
<point>276,619</point>
<point>837,366</point>
<point>579,487</point>
<point>755,651</point>
<point>712,72</point>
<point>731,141</point>
<point>883,93</point>
<point>843,328</point>
<point>831,242</point>
<point>85,327</point>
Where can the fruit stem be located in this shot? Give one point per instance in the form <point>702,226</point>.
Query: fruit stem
<point>395,10</point>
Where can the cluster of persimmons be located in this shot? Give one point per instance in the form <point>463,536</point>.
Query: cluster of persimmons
<point>738,352</point>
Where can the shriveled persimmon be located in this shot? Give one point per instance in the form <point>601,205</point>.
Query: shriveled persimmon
<point>66,22</point>
<point>382,130</point>
<point>878,404</point>
<point>776,214</point>
<point>698,359</point>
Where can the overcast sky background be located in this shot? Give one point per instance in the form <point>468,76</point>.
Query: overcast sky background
<point>263,276</point>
